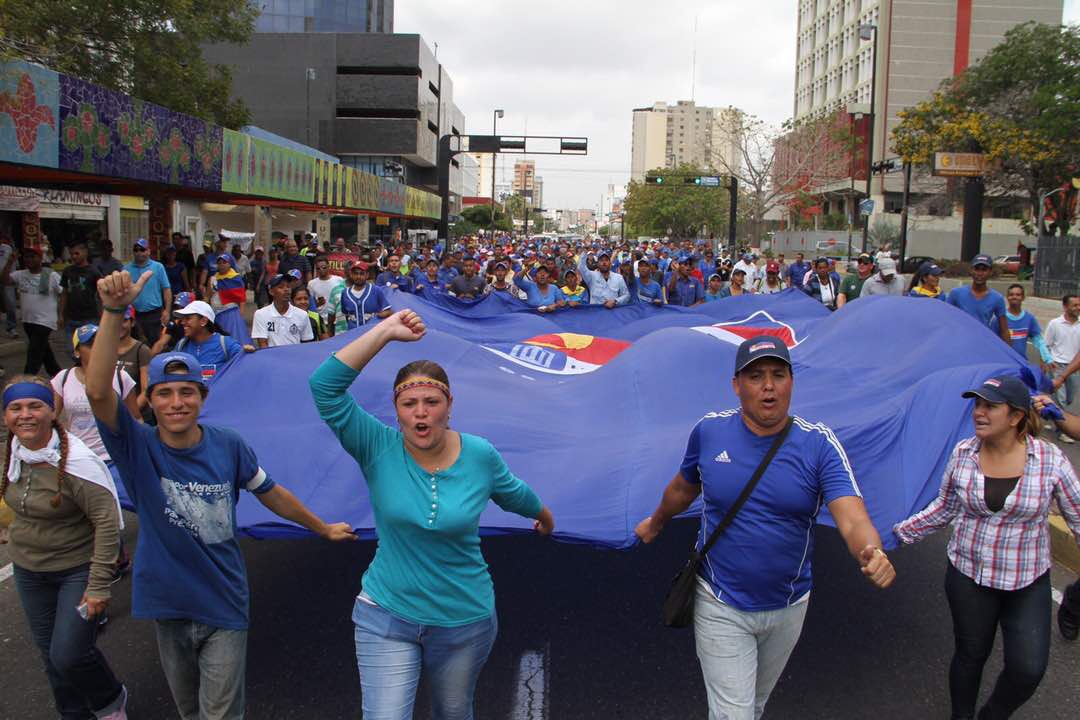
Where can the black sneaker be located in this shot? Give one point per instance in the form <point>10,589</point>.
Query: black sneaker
<point>1068,622</point>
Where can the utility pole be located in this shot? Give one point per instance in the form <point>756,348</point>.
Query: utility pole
<point>904,214</point>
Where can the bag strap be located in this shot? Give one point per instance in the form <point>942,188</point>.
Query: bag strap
<point>749,488</point>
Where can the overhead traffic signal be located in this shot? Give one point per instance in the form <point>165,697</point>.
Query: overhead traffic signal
<point>654,179</point>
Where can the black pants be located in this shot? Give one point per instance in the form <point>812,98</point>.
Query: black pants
<point>149,323</point>
<point>1024,617</point>
<point>1071,599</point>
<point>38,350</point>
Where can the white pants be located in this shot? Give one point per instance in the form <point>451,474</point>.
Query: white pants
<point>742,653</point>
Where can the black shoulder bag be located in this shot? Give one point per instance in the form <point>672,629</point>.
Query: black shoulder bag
<point>678,610</point>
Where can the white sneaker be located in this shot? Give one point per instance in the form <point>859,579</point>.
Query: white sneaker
<point>1062,437</point>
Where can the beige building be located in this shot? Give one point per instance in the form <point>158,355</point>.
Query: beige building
<point>666,136</point>
<point>919,44</point>
<point>525,180</point>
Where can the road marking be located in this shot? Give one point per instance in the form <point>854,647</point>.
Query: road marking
<point>530,693</point>
<point>6,572</point>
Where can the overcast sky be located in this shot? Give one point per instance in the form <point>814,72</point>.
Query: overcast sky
<point>565,67</point>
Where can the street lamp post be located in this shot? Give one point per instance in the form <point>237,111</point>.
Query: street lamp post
<point>494,157</point>
<point>869,32</point>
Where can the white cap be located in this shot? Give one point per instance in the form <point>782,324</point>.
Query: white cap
<point>197,307</point>
<point>887,266</point>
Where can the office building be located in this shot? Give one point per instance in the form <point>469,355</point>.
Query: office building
<point>524,182</point>
<point>667,136</point>
<point>338,16</point>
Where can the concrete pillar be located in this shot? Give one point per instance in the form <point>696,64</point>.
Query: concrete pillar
<point>264,226</point>
<point>322,228</point>
<point>160,223</point>
<point>113,220</point>
<point>363,223</point>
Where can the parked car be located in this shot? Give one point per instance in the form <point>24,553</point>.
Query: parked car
<point>912,263</point>
<point>1008,263</point>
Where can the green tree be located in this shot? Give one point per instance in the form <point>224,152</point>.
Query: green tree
<point>147,48</point>
<point>1019,106</point>
<point>480,218</point>
<point>685,210</point>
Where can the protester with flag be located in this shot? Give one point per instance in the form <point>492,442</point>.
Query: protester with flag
<point>228,283</point>
<point>427,602</point>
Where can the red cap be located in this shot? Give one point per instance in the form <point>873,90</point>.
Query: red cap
<point>772,266</point>
<point>359,264</point>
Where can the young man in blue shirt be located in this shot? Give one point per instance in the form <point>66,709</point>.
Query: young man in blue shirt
<point>685,289</point>
<point>204,340</point>
<point>981,302</point>
<point>541,294</point>
<point>648,290</point>
<point>392,277</point>
<point>1023,327</point>
<point>756,579</point>
<point>362,302</point>
<point>184,479</point>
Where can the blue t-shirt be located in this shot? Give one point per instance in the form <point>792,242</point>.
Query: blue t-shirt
<point>988,311</point>
<point>189,565</point>
<point>1021,329</point>
<point>445,275</point>
<point>150,297</point>
<point>534,297</point>
<point>396,281</point>
<point>211,353</point>
<point>649,292</point>
<point>361,306</point>
<point>428,567</point>
<point>762,561</point>
<point>175,273</point>
<point>687,292</point>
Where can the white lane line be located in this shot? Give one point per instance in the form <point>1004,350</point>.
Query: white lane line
<point>6,572</point>
<point>1056,594</point>
<point>530,692</point>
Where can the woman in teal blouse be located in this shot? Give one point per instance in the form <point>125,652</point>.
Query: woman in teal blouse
<point>427,601</point>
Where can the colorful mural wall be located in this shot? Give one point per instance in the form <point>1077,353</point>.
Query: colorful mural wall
<point>58,121</point>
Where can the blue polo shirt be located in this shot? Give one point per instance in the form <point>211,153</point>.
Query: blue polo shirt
<point>988,310</point>
<point>150,297</point>
<point>396,281</point>
<point>687,292</point>
<point>762,561</point>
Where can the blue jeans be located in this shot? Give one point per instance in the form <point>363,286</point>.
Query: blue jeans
<point>1069,389</point>
<point>204,667</point>
<point>391,652</point>
<point>742,653</point>
<point>81,680</point>
<point>1024,617</point>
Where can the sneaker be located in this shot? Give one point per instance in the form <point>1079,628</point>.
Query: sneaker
<point>118,709</point>
<point>1063,438</point>
<point>1068,621</point>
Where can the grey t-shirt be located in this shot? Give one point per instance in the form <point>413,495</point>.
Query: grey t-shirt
<point>874,285</point>
<point>465,287</point>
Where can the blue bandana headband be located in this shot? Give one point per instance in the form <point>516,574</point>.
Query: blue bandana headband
<point>28,391</point>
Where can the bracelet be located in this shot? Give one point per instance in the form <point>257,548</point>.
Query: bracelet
<point>114,311</point>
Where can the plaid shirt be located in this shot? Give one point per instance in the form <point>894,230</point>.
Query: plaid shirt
<point>1009,549</point>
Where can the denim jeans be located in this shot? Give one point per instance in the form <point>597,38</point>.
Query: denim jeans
<point>391,652</point>
<point>204,667</point>
<point>1024,616</point>
<point>81,680</point>
<point>1069,389</point>
<point>742,653</point>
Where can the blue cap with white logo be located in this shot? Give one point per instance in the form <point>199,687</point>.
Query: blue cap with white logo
<point>981,259</point>
<point>762,346</point>
<point>190,371</point>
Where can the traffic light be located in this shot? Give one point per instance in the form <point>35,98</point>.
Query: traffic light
<point>692,181</point>
<point>654,179</point>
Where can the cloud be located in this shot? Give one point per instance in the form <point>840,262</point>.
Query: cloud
<point>579,68</point>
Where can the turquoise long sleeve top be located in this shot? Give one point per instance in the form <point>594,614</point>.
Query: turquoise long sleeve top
<point>428,568</point>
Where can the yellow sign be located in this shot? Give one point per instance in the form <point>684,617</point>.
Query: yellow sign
<point>960,164</point>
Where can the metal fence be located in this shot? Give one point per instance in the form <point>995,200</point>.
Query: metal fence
<point>1057,266</point>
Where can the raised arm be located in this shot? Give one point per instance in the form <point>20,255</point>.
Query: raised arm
<point>116,292</point>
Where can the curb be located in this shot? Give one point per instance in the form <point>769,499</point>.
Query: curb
<point>1063,544</point>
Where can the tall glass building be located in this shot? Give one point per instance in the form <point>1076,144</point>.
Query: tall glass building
<point>341,16</point>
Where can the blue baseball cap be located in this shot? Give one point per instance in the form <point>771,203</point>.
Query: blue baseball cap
<point>84,335</point>
<point>141,243</point>
<point>1003,389</point>
<point>295,274</point>
<point>756,348</point>
<point>183,299</point>
<point>982,259</point>
<point>929,268</point>
<point>279,278</point>
<point>192,371</point>
<point>224,257</point>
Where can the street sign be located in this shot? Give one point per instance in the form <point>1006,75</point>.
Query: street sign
<point>960,164</point>
<point>710,181</point>
<point>866,207</point>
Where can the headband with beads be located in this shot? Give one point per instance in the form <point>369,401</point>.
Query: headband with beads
<point>421,382</point>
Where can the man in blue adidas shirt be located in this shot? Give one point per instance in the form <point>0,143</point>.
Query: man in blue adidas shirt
<point>1023,327</point>
<point>185,479</point>
<point>981,302</point>
<point>755,581</point>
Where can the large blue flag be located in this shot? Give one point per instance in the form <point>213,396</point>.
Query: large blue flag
<point>592,407</point>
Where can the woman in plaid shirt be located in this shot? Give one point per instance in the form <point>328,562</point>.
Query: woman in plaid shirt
<point>997,491</point>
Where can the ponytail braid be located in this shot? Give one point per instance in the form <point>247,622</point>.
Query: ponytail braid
<point>61,469</point>
<point>7,463</point>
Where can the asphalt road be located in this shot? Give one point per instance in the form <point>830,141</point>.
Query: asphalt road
<point>579,637</point>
